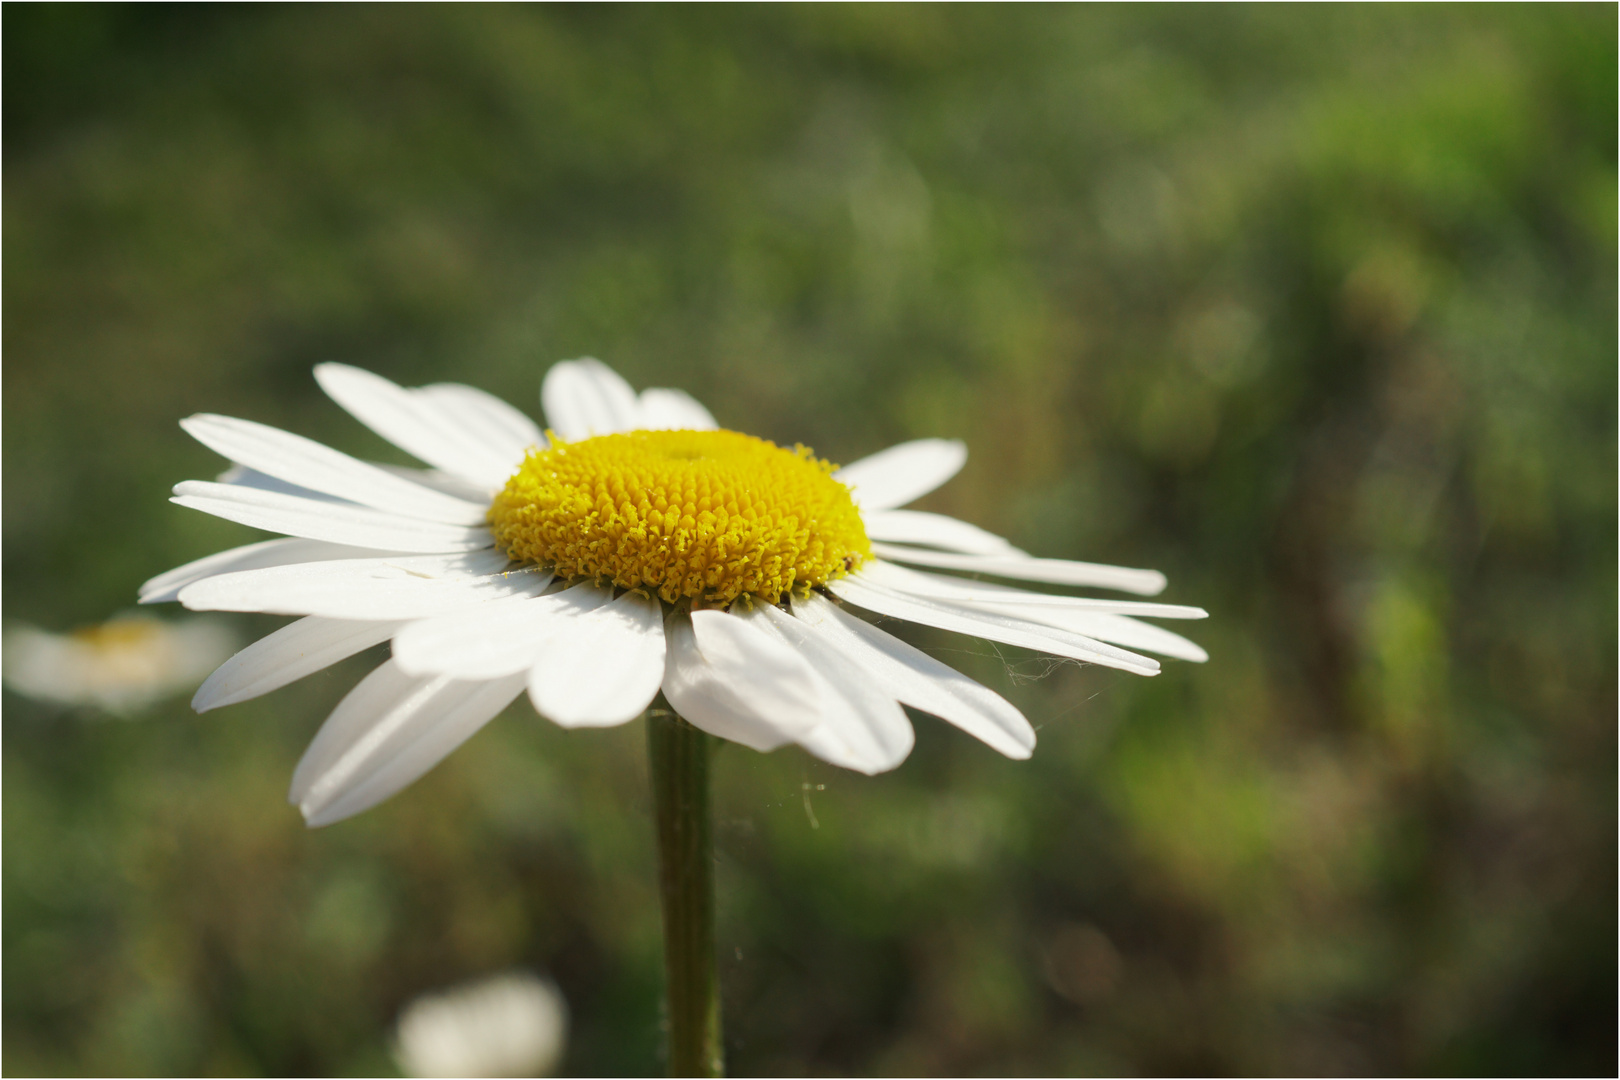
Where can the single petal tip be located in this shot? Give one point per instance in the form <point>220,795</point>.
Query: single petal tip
<point>317,816</point>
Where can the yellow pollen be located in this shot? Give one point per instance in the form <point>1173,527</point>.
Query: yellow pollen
<point>705,515</point>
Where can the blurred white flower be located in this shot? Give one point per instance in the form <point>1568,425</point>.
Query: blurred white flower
<point>508,1025</point>
<point>121,666</point>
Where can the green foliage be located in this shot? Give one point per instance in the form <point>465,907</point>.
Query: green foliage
<point>1312,309</point>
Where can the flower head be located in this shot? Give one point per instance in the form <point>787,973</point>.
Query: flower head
<point>506,1025</point>
<point>633,548</point>
<point>120,666</point>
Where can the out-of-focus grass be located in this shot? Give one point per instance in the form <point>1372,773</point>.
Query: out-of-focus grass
<point>1314,310</point>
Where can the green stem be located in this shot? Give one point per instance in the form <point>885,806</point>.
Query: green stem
<point>678,755</point>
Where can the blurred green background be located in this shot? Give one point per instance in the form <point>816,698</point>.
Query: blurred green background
<point>1315,310</point>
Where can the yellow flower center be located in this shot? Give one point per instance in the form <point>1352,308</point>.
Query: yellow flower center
<point>707,515</point>
<point>122,633</point>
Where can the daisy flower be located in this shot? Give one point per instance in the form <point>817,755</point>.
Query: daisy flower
<point>120,666</point>
<point>634,547</point>
<point>514,1024</point>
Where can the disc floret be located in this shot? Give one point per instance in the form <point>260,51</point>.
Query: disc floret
<point>701,515</point>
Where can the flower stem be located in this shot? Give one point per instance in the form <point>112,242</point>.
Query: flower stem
<point>678,755</point>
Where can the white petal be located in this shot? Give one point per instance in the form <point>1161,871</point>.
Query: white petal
<point>283,552</point>
<point>387,732</point>
<point>401,587</point>
<point>1119,629</point>
<point>606,670</point>
<point>862,726</point>
<point>585,397</point>
<point>242,476</point>
<point>988,594</point>
<point>490,640</point>
<point>417,423</point>
<point>936,530</point>
<point>1022,567</point>
<point>919,680</point>
<point>339,523</point>
<point>436,479</point>
<point>505,431</point>
<point>993,626</point>
<point>308,464</point>
<point>439,480</point>
<point>675,410</point>
<point>297,649</point>
<point>896,476</point>
<point>731,680</point>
